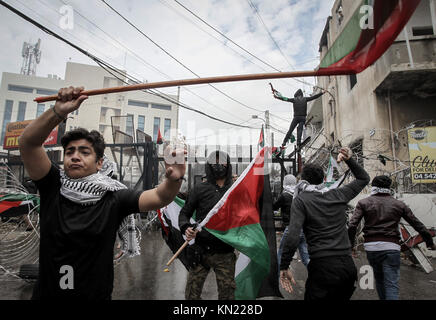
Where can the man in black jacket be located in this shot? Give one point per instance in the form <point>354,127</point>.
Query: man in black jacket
<point>300,112</point>
<point>321,212</point>
<point>382,214</point>
<point>213,252</point>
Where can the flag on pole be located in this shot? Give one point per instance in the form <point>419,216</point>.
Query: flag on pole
<point>169,219</point>
<point>235,219</point>
<point>159,137</point>
<point>270,285</point>
<point>329,179</point>
<point>261,141</point>
<point>370,31</point>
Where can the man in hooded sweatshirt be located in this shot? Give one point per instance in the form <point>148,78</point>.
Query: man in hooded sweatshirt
<point>210,252</point>
<point>284,202</point>
<point>300,112</point>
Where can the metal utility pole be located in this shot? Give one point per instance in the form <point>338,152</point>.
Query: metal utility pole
<point>32,56</point>
<point>267,126</point>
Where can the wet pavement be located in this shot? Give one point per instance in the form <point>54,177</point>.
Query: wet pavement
<point>143,278</point>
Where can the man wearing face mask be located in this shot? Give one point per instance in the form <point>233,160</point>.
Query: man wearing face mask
<point>211,252</point>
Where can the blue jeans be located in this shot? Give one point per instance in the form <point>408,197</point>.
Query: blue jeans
<point>386,267</point>
<point>302,248</point>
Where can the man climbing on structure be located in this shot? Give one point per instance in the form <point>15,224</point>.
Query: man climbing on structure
<point>300,112</point>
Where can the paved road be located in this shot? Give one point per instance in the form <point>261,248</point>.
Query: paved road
<point>142,277</point>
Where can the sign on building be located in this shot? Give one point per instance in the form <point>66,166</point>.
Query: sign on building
<point>422,151</point>
<point>15,129</point>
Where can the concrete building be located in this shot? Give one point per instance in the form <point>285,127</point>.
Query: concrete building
<point>17,92</point>
<point>372,110</point>
<point>126,111</point>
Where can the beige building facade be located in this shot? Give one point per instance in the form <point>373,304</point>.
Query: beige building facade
<point>125,112</point>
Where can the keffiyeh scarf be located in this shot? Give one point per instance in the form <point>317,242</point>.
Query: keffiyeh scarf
<point>289,189</point>
<point>304,186</point>
<point>90,189</point>
<point>375,190</point>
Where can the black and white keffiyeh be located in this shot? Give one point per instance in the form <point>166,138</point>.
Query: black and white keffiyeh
<point>90,189</point>
<point>375,190</point>
<point>304,186</point>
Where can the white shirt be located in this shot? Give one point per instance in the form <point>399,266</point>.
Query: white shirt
<point>381,246</point>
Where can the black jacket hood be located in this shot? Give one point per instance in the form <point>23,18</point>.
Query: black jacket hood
<point>211,159</point>
<point>298,93</point>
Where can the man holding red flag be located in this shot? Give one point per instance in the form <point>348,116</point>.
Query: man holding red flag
<point>209,251</point>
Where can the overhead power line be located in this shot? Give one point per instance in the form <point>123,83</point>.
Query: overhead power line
<point>236,44</point>
<point>269,33</point>
<point>174,58</point>
<point>101,62</point>
<point>135,55</point>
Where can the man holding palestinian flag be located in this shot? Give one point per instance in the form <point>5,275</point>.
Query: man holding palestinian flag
<point>208,250</point>
<point>228,218</point>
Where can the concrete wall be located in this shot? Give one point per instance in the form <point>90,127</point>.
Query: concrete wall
<point>361,112</point>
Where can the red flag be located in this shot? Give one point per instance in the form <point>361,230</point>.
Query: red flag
<point>159,138</point>
<point>357,48</point>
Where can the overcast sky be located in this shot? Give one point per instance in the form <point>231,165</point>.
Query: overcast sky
<point>295,25</point>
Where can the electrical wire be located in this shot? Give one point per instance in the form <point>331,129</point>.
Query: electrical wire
<point>175,59</point>
<point>135,55</point>
<point>102,63</point>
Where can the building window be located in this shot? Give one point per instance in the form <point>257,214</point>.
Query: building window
<point>7,116</point>
<point>340,13</point>
<point>39,109</point>
<point>46,92</point>
<point>22,89</point>
<point>101,129</point>
<point>141,123</point>
<point>332,108</point>
<point>137,103</point>
<point>422,31</point>
<point>129,124</point>
<point>353,80</point>
<point>156,126</point>
<point>21,111</point>
<point>161,107</point>
<point>167,128</point>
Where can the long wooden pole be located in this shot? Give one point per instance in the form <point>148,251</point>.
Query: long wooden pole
<point>176,254</point>
<point>187,82</point>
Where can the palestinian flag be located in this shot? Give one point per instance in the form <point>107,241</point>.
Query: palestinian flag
<point>169,219</point>
<point>357,48</point>
<point>261,141</point>
<point>235,220</point>
<point>329,179</point>
<point>17,204</point>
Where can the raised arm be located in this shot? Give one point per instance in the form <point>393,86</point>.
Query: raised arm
<point>31,141</point>
<point>315,96</point>
<point>351,190</point>
<point>279,96</point>
<point>165,193</point>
